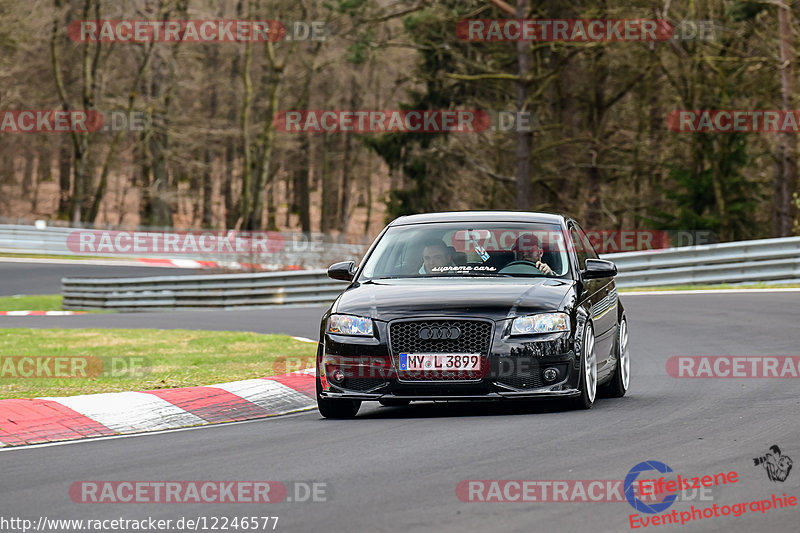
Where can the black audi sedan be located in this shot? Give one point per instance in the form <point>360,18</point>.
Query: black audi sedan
<point>480,305</point>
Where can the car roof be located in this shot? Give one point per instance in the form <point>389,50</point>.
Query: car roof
<point>479,216</point>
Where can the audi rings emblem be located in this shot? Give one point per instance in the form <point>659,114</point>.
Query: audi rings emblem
<point>428,333</point>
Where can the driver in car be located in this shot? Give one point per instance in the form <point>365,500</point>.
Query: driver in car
<point>528,247</point>
<point>435,254</point>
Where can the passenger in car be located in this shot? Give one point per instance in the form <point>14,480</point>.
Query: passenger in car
<point>528,247</point>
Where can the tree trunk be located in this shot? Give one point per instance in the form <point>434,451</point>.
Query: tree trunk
<point>27,174</point>
<point>347,166</point>
<point>64,177</point>
<point>786,168</point>
<point>330,186</point>
<point>246,195</point>
<point>231,214</point>
<point>207,215</point>
<point>265,143</point>
<point>368,185</point>
<point>159,213</point>
<point>524,138</point>
<point>301,178</point>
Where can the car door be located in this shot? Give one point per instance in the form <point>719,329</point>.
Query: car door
<point>602,297</point>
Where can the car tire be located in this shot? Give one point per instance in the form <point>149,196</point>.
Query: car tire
<point>587,384</point>
<point>394,403</point>
<point>339,409</point>
<point>619,384</point>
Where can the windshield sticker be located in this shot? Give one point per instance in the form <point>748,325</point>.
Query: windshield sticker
<point>467,268</point>
<point>478,248</point>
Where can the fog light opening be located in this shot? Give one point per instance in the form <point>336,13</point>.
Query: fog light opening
<point>337,376</point>
<point>550,374</point>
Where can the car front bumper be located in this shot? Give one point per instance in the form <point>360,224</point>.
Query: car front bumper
<point>512,369</point>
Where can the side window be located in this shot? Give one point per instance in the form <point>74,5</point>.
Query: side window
<point>590,253</point>
<point>581,244</point>
<point>580,250</point>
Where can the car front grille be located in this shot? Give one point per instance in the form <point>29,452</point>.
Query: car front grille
<point>520,376</point>
<point>475,338</point>
<point>524,373</point>
<point>362,384</point>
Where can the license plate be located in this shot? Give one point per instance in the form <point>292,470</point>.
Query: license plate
<point>440,361</point>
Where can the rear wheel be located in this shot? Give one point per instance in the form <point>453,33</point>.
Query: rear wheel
<point>394,403</point>
<point>622,373</point>
<point>588,381</point>
<point>336,408</point>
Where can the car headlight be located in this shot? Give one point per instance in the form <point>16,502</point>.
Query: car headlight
<point>350,325</point>
<point>541,323</point>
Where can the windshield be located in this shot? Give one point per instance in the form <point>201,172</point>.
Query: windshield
<point>470,250</point>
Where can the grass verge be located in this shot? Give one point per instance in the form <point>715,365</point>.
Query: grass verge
<point>40,302</point>
<point>142,359</point>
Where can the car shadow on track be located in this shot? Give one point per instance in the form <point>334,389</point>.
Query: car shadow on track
<point>471,408</point>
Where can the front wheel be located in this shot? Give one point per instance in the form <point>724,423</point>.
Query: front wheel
<point>330,408</point>
<point>588,380</point>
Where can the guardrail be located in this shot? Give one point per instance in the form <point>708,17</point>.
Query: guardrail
<point>217,291</point>
<point>765,260</point>
<point>769,260</point>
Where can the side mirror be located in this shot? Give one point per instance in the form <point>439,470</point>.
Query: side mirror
<point>344,271</point>
<point>599,268</point>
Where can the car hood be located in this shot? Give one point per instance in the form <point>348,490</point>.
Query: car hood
<point>495,298</point>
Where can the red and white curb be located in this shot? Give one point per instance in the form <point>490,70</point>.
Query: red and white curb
<point>39,420</point>
<point>153,262</point>
<point>231,265</point>
<point>41,313</point>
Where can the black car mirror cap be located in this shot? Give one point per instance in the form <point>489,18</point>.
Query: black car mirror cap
<point>599,268</point>
<point>344,271</point>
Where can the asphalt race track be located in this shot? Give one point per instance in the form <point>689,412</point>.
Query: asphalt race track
<point>45,278</point>
<point>397,468</point>
<point>299,321</point>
